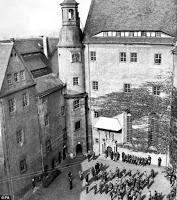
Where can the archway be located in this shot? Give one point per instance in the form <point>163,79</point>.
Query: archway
<point>79,149</point>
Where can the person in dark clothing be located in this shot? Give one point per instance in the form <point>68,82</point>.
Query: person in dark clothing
<point>95,188</point>
<point>33,183</point>
<point>159,161</point>
<point>70,183</point>
<point>87,187</point>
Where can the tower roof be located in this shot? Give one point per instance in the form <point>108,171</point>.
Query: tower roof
<point>135,15</point>
<point>69,2</point>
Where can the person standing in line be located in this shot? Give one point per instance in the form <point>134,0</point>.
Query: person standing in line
<point>159,162</point>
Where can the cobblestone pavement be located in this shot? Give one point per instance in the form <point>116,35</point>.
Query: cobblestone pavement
<point>59,189</point>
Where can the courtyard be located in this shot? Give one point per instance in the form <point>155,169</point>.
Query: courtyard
<point>59,189</point>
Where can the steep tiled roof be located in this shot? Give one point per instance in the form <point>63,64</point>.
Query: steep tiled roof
<point>133,40</point>
<point>48,83</point>
<point>29,45</point>
<point>116,15</point>
<point>5,51</point>
<point>35,61</point>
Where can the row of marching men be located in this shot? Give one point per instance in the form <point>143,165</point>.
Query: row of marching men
<point>126,184</point>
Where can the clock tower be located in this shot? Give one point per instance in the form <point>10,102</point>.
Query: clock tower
<point>71,72</point>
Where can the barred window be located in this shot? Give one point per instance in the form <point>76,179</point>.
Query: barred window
<point>9,79</point>
<point>93,55</point>
<point>76,104</point>
<point>75,81</point>
<point>77,125</point>
<point>12,105</point>
<point>105,34</point>
<point>25,100</point>
<point>71,14</point>
<point>156,90</point>
<point>122,57</point>
<point>158,34</point>
<point>133,57</point>
<point>23,166</point>
<point>22,75</point>
<point>95,85</point>
<point>20,137</point>
<point>158,58</point>
<point>127,88</point>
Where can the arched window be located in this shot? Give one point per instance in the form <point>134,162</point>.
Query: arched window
<point>71,14</point>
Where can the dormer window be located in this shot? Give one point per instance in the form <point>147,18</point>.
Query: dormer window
<point>71,14</point>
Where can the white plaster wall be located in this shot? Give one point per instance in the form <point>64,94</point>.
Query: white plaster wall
<point>112,74</point>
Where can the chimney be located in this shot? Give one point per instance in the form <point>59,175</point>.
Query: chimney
<point>45,45</point>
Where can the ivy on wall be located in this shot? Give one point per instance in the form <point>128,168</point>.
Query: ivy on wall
<point>141,102</point>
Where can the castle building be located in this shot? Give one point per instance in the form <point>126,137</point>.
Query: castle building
<point>112,84</point>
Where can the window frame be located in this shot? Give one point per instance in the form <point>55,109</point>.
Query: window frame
<point>123,57</point>
<point>133,57</point>
<point>95,86</point>
<point>157,58</point>
<point>62,110</point>
<point>76,128</point>
<point>127,89</point>
<point>75,81</point>
<point>22,75</point>
<point>20,137</point>
<point>25,100</point>
<point>46,120</point>
<point>93,56</point>
<point>75,57</point>
<point>156,90</point>
<point>24,164</point>
<point>12,104</point>
<point>9,80</point>
<point>76,104</point>
<point>96,114</point>
<point>16,77</point>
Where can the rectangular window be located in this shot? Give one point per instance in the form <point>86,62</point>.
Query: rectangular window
<point>158,58</point>
<point>95,85</point>
<point>76,104</point>
<point>158,34</point>
<point>16,77</point>
<point>133,57</point>
<point>48,145</point>
<point>9,79</point>
<point>75,81</point>
<point>25,100</point>
<point>20,137</point>
<point>156,90</point>
<point>76,57</point>
<point>77,125</point>
<point>22,75</point>
<point>143,33</point>
<point>105,34</point>
<point>131,34</point>
<point>12,105</point>
<point>46,120</point>
<point>118,34</point>
<point>23,166</point>
<point>93,55</point>
<point>96,114</point>
<point>62,110</point>
<point>127,88</point>
<point>122,57</point>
